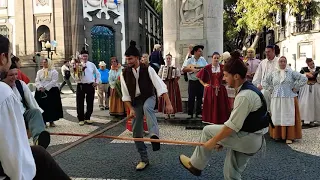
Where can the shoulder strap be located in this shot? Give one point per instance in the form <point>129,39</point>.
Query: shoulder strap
<point>249,86</point>
<point>20,89</point>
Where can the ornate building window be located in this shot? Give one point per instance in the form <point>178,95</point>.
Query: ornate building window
<point>103,44</point>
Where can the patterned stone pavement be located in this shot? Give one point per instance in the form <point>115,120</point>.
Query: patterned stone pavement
<point>101,159</point>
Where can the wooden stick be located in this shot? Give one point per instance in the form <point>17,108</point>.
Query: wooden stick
<point>89,136</point>
<point>132,139</point>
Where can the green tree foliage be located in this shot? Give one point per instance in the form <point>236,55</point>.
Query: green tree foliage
<point>157,4</point>
<point>232,37</point>
<point>254,15</point>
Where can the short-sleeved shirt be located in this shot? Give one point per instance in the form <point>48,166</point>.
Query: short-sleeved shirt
<point>201,62</point>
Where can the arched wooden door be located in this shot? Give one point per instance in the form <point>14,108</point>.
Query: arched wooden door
<point>103,44</point>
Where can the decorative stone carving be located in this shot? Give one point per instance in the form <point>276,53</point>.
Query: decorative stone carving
<point>42,2</point>
<point>46,19</point>
<point>191,12</point>
<point>93,13</point>
<point>113,15</point>
<point>109,4</point>
<point>43,38</point>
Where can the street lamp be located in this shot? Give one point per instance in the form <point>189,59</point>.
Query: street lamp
<point>48,48</point>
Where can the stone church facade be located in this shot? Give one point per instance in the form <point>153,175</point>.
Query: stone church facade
<point>30,24</point>
<point>103,27</point>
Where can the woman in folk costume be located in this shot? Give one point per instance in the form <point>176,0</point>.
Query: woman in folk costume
<point>216,107</point>
<point>309,94</point>
<point>116,107</point>
<point>48,93</point>
<point>283,83</point>
<point>172,85</point>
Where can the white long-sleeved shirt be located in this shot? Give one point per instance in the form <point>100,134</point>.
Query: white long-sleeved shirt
<point>15,153</point>
<point>47,82</point>
<point>90,74</point>
<point>64,68</point>
<point>160,86</point>
<point>30,100</point>
<point>265,67</point>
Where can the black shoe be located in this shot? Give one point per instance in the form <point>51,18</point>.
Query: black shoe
<point>198,116</point>
<point>155,145</point>
<point>106,108</point>
<point>43,139</point>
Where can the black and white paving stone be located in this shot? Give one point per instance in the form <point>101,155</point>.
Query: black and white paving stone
<point>101,159</point>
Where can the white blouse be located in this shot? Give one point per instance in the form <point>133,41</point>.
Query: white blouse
<point>47,82</point>
<point>215,69</point>
<point>15,154</point>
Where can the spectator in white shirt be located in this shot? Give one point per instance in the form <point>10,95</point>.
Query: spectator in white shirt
<point>89,80</point>
<point>18,160</point>
<point>266,67</point>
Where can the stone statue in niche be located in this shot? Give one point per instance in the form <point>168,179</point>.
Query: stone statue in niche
<point>42,2</point>
<point>191,12</point>
<point>43,39</point>
<point>109,4</point>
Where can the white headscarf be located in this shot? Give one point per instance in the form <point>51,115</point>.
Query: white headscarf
<point>50,66</point>
<point>282,71</point>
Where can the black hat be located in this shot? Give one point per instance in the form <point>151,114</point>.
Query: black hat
<point>84,51</point>
<point>195,48</point>
<point>132,50</point>
<point>13,65</point>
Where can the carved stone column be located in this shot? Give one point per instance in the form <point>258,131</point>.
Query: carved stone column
<point>213,27</point>
<point>170,28</point>
<point>77,25</point>
<point>195,22</point>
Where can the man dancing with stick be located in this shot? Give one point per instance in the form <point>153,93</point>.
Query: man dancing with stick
<point>138,82</point>
<point>242,134</point>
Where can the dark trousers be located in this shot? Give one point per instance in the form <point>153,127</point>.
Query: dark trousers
<point>85,91</point>
<point>195,90</point>
<point>47,168</point>
<point>66,81</point>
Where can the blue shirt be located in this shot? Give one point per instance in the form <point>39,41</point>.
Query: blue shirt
<point>104,76</point>
<point>201,62</point>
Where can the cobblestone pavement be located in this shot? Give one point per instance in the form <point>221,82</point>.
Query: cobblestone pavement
<point>102,159</point>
